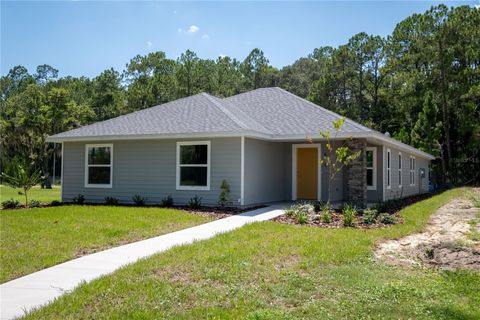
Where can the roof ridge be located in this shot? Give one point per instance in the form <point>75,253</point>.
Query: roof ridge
<point>352,122</point>
<point>224,110</point>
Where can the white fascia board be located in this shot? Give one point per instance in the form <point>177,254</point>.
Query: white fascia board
<point>373,135</point>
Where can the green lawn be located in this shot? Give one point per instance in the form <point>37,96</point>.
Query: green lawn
<point>275,271</point>
<point>33,239</point>
<point>36,193</point>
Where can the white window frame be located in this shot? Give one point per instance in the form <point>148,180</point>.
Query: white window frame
<point>389,168</point>
<point>412,171</point>
<point>193,143</point>
<point>374,167</point>
<point>400,170</point>
<point>96,185</point>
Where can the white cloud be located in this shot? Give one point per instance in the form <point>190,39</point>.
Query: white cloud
<point>193,28</point>
<point>149,44</point>
<point>221,55</point>
<point>174,11</point>
<point>205,36</point>
<point>477,6</point>
<point>179,30</point>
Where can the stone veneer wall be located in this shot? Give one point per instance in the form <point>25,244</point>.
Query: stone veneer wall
<point>355,187</point>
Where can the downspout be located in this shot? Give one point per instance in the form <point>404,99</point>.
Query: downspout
<point>242,172</point>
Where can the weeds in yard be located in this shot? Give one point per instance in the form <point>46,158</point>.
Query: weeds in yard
<point>474,197</point>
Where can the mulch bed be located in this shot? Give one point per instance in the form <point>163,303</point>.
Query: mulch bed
<point>337,222</point>
<point>216,212</point>
<point>392,207</point>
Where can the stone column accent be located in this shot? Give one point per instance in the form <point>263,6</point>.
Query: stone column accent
<point>355,187</point>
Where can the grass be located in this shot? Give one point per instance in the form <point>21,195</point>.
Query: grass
<point>276,271</point>
<point>33,239</point>
<point>36,193</point>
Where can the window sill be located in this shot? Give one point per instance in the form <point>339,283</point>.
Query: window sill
<point>194,188</point>
<point>102,186</point>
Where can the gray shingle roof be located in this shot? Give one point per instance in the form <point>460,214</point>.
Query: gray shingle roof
<point>195,114</point>
<point>269,111</point>
<point>283,113</point>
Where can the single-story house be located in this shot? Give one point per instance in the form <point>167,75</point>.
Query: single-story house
<point>265,143</point>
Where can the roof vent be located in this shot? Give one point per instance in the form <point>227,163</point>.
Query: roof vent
<point>387,134</point>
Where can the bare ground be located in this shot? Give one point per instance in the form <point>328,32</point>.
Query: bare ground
<point>450,240</point>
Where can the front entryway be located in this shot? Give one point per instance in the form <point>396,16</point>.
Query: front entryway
<point>307,173</point>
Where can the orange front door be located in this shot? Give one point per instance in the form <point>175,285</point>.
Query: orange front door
<point>307,173</point>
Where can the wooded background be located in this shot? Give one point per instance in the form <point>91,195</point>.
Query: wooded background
<point>421,84</point>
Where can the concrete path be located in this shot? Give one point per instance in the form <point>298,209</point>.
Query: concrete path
<point>36,289</point>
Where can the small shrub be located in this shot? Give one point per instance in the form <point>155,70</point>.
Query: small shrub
<point>111,201</point>
<point>386,218</point>
<point>139,200</point>
<point>80,199</point>
<point>34,204</point>
<point>195,202</point>
<point>167,201</point>
<point>224,197</point>
<point>301,216</point>
<point>349,213</point>
<point>10,204</point>
<point>370,216</point>
<point>55,203</point>
<point>326,215</point>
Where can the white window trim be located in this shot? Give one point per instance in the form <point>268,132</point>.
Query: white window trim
<point>400,170</point>
<point>374,167</point>
<point>95,185</point>
<point>193,143</point>
<point>389,168</point>
<point>296,146</point>
<point>413,165</point>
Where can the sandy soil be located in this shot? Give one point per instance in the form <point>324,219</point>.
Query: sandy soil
<point>446,242</point>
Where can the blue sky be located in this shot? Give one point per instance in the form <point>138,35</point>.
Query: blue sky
<point>84,38</point>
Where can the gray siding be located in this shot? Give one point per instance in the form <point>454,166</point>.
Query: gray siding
<point>265,171</point>
<point>148,167</point>
<point>395,192</point>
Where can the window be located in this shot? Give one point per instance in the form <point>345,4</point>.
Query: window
<point>98,165</point>
<point>412,171</point>
<point>400,169</point>
<point>193,165</point>
<point>371,157</point>
<point>389,165</point>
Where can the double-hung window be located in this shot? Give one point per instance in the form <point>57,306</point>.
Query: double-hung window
<point>193,165</point>
<point>389,166</point>
<point>371,157</point>
<point>412,171</point>
<point>400,169</point>
<point>98,165</point>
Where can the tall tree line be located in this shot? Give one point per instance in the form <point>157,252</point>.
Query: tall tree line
<point>421,84</point>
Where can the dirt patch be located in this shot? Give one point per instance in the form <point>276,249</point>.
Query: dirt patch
<point>446,241</point>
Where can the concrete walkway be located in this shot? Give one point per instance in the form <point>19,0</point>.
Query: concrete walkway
<point>36,289</point>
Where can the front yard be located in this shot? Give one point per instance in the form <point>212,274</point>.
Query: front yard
<point>277,271</point>
<point>33,239</point>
